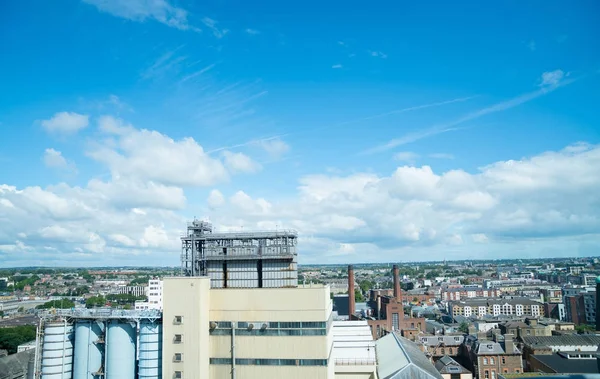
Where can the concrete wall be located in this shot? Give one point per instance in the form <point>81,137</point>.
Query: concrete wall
<point>189,298</point>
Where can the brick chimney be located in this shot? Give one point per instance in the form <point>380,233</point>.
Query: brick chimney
<point>509,344</point>
<point>397,291</point>
<point>351,300</point>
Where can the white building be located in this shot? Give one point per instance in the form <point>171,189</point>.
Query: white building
<point>154,292</point>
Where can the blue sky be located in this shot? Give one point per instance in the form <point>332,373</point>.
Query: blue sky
<point>381,132</point>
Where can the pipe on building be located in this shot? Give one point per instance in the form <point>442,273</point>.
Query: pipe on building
<point>232,350</point>
<point>351,299</point>
<point>598,304</point>
<point>397,291</point>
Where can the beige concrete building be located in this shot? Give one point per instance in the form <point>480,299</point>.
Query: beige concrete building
<point>246,332</point>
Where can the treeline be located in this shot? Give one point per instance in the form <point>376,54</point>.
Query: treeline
<point>59,304</point>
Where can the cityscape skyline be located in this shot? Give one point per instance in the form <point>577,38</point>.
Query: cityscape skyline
<point>381,134</point>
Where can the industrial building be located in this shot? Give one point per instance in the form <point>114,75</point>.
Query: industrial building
<point>99,343</point>
<point>266,259</point>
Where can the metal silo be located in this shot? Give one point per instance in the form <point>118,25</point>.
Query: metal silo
<point>57,350</point>
<point>88,349</point>
<point>120,350</point>
<point>150,350</point>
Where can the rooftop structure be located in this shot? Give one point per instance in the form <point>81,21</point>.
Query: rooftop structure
<point>400,358</point>
<point>449,367</point>
<point>255,259</point>
<point>354,349</point>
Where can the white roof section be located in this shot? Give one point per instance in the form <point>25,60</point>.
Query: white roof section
<point>353,343</point>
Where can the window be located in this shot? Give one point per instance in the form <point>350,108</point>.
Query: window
<point>518,371</point>
<point>178,374</point>
<point>178,320</point>
<point>485,361</point>
<point>492,360</point>
<point>178,338</point>
<point>493,374</point>
<point>486,374</point>
<point>503,360</point>
<point>505,371</point>
<point>395,325</point>
<point>177,357</point>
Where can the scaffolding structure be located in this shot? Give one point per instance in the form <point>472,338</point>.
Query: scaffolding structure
<point>255,259</point>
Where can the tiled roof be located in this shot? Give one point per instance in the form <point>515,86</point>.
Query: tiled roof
<point>565,340</point>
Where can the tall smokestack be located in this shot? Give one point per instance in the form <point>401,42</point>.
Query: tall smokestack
<point>597,304</point>
<point>397,293</point>
<point>351,300</point>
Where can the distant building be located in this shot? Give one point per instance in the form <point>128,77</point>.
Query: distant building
<point>451,369</point>
<point>537,346</point>
<point>491,358</point>
<point>523,329</point>
<point>567,362</point>
<point>518,306</point>
<point>452,294</point>
<point>154,293</point>
<point>133,290</point>
<point>436,347</point>
<point>580,305</point>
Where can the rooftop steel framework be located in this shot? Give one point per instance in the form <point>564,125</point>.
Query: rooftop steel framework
<point>204,253</point>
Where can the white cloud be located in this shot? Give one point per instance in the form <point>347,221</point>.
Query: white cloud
<point>212,25</point>
<point>240,163</point>
<point>141,10</point>
<point>337,66</point>
<point>215,199</point>
<point>54,159</point>
<point>252,31</point>
<point>552,78</point>
<point>406,156</point>
<point>549,197</point>
<point>531,45</point>
<point>378,54</point>
<point>65,122</point>
<point>275,147</point>
<point>479,238</point>
<point>150,155</point>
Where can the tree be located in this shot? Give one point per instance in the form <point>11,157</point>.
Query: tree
<point>358,295</point>
<point>463,327</point>
<point>60,304</point>
<point>95,301</point>
<point>583,328</point>
<point>11,338</point>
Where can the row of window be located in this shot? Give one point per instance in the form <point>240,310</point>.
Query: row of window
<point>278,325</point>
<point>269,362</point>
<point>486,373</point>
<point>270,332</point>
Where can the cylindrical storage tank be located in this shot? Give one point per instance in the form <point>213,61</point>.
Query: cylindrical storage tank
<point>57,350</point>
<point>88,349</point>
<point>120,350</point>
<point>150,350</point>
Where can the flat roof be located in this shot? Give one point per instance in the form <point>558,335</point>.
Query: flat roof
<point>353,342</point>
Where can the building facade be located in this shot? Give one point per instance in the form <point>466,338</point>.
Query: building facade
<point>453,294</point>
<point>517,306</point>
<point>256,333</point>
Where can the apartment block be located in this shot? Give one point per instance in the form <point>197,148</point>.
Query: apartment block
<point>518,306</point>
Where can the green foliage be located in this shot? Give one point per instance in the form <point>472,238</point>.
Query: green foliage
<point>584,328</point>
<point>11,338</point>
<point>124,298</point>
<point>463,327</point>
<point>358,295</point>
<point>61,304</point>
<point>366,285</point>
<point>22,281</point>
<point>95,301</point>
<point>81,290</point>
<point>432,274</point>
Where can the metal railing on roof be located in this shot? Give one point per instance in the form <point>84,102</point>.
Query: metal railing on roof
<point>355,361</point>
